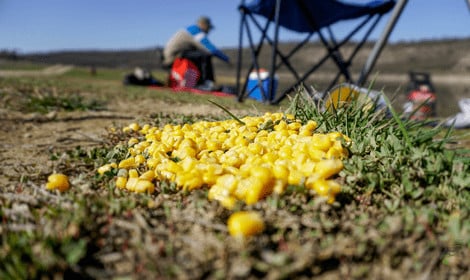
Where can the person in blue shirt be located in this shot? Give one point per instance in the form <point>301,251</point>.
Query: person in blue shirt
<point>192,43</point>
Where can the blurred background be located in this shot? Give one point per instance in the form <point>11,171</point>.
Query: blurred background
<point>431,36</point>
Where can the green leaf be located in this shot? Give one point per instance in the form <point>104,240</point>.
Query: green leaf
<point>74,251</point>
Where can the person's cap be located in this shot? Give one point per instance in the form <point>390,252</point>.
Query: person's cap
<point>205,21</point>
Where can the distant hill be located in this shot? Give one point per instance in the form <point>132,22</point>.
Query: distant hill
<point>432,56</point>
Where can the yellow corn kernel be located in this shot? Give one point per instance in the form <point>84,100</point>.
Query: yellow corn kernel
<point>133,173</point>
<point>148,175</point>
<point>132,151</point>
<point>335,187</point>
<point>294,126</point>
<point>173,167</point>
<point>127,163</point>
<point>242,188</point>
<point>131,183</point>
<point>58,181</point>
<point>245,223</point>
<point>327,188</point>
<point>255,148</point>
<point>132,141</point>
<point>152,163</point>
<point>188,142</point>
<point>279,186</point>
<point>328,167</point>
<point>321,142</point>
<point>213,145</point>
<point>311,125</point>
<point>285,152</point>
<point>134,126</point>
<point>280,172</point>
<point>307,167</point>
<point>210,173</point>
<point>282,125</point>
<point>305,132</point>
<point>289,116</point>
<point>217,192</point>
<point>188,164</point>
<point>121,182</point>
<point>228,202</point>
<point>335,136</point>
<point>166,175</point>
<point>336,152</point>
<point>321,187</point>
<point>139,159</point>
<point>185,152</point>
<point>295,177</point>
<point>299,158</point>
<point>189,180</point>
<point>145,129</point>
<point>257,190</point>
<point>107,167</point>
<point>316,155</point>
<point>263,174</point>
<point>222,195</point>
<point>228,181</point>
<point>143,186</point>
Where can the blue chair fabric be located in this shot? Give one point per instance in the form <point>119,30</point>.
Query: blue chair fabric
<point>309,17</point>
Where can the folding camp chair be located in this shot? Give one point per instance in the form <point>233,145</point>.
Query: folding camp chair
<point>308,17</point>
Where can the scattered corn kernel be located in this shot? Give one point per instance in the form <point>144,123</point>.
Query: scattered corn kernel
<point>134,126</point>
<point>107,167</point>
<point>245,223</point>
<point>327,168</point>
<point>149,175</point>
<point>58,181</point>
<point>121,182</point>
<point>132,141</point>
<point>133,173</point>
<point>144,186</point>
<point>127,163</point>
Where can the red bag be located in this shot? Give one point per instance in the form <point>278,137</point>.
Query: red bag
<point>424,104</point>
<point>183,73</point>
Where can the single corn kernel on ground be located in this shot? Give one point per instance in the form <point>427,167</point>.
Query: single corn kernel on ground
<point>58,181</point>
<point>245,223</point>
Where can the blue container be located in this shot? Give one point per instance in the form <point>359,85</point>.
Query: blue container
<point>254,90</point>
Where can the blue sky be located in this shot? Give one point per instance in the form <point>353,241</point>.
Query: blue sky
<point>51,25</point>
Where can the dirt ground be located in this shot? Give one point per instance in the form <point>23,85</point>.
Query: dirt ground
<point>26,144</point>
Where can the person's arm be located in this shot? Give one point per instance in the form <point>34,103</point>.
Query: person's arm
<point>214,50</point>
<point>202,40</point>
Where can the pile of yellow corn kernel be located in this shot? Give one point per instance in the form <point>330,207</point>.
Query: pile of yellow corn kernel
<point>237,160</point>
